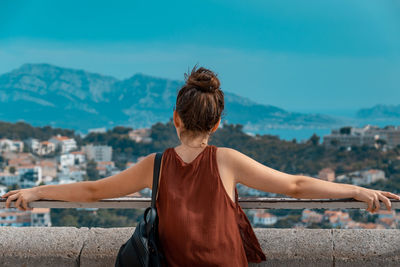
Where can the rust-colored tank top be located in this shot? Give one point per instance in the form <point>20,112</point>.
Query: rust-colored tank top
<point>199,224</point>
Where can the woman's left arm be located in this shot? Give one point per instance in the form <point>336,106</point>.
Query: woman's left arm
<point>253,174</point>
<point>309,187</point>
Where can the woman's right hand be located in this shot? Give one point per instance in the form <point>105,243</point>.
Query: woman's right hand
<point>372,198</point>
<point>22,197</point>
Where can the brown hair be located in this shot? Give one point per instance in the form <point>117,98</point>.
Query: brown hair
<point>200,101</point>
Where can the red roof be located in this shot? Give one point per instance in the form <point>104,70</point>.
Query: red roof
<point>46,142</point>
<point>40,210</point>
<point>264,215</point>
<point>27,166</point>
<point>61,138</point>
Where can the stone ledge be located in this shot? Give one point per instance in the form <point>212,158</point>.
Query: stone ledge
<point>69,246</point>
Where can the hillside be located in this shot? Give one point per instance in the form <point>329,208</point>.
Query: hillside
<point>43,94</point>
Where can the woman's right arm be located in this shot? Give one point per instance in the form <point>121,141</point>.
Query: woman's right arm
<point>128,181</point>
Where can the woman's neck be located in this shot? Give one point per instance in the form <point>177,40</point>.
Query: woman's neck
<point>194,144</point>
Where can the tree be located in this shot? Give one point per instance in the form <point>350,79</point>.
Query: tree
<point>121,130</point>
<point>91,170</point>
<point>12,169</point>
<point>13,187</point>
<point>314,140</point>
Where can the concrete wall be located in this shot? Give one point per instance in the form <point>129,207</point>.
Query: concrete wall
<point>68,246</point>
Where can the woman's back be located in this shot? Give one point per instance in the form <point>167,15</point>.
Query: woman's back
<point>199,224</point>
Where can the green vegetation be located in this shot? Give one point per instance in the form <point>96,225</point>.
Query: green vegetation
<point>22,131</point>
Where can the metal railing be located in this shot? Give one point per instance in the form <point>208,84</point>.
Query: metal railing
<point>244,202</point>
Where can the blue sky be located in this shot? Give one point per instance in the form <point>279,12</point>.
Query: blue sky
<point>326,56</point>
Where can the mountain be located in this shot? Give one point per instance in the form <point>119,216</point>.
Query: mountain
<point>380,112</point>
<point>43,94</point>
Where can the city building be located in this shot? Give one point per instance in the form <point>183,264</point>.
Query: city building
<point>105,167</point>
<point>327,174</point>
<point>49,169</point>
<point>14,217</point>
<point>362,177</point>
<point>97,130</point>
<point>72,158</point>
<point>337,218</point>
<point>98,153</point>
<point>64,142</point>
<point>368,135</point>
<point>30,175</point>
<point>79,157</point>
<point>19,159</point>
<point>33,144</point>
<point>34,217</point>
<point>309,216</point>
<point>11,145</point>
<point>66,159</point>
<point>264,218</point>
<point>140,135</point>
<point>45,148</point>
<point>70,174</point>
<point>3,189</point>
<point>40,217</point>
<point>9,179</point>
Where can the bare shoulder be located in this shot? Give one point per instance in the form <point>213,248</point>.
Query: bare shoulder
<point>228,159</point>
<point>230,155</point>
<point>226,152</point>
<point>252,173</point>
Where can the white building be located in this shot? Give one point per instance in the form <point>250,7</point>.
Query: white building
<point>33,144</point>
<point>70,174</point>
<point>66,143</point>
<point>18,218</point>
<point>7,145</point>
<point>40,217</point>
<point>140,135</point>
<point>45,148</point>
<point>264,218</point>
<point>79,157</point>
<point>368,135</point>
<point>106,167</point>
<point>67,160</point>
<point>363,177</point>
<point>3,190</point>
<point>30,176</point>
<point>9,179</point>
<point>14,217</point>
<point>98,153</point>
<point>351,136</point>
<point>97,130</point>
<point>372,175</point>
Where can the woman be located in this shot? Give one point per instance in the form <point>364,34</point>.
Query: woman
<point>200,222</point>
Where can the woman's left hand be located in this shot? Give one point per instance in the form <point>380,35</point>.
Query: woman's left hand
<point>372,198</point>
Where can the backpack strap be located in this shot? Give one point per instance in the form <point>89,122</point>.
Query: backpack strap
<point>156,174</point>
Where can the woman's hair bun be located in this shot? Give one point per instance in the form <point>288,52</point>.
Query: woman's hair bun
<point>203,80</point>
